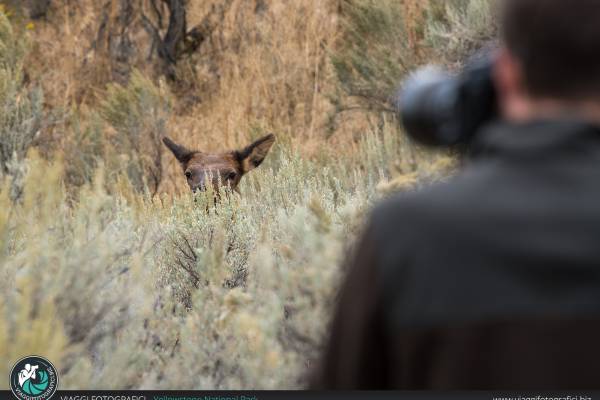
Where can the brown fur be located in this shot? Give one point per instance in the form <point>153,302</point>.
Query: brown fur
<point>223,169</point>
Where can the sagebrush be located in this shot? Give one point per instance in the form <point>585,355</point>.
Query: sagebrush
<point>110,268</point>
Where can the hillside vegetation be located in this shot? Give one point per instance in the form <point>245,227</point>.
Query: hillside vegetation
<point>109,267</point>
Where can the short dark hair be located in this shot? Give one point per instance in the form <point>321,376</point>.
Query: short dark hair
<point>558,44</point>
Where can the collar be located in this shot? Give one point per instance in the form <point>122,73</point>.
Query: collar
<point>534,137</point>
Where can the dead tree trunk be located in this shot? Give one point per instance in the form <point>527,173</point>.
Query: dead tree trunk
<point>114,38</point>
<point>178,41</point>
<point>165,21</point>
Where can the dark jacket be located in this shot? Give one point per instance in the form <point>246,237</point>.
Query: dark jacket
<point>488,281</point>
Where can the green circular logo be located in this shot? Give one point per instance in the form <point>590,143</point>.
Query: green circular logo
<point>33,378</point>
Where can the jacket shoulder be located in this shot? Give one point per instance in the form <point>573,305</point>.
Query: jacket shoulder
<point>438,203</point>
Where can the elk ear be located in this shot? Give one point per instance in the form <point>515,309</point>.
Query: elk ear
<point>253,155</point>
<point>181,153</point>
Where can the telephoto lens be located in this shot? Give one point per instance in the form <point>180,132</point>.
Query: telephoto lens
<point>426,103</point>
<point>437,108</point>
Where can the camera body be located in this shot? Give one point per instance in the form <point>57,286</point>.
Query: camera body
<point>439,109</point>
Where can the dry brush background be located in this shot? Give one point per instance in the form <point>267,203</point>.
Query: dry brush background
<point>108,266</point>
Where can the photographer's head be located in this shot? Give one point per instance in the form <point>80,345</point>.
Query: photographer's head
<point>549,65</point>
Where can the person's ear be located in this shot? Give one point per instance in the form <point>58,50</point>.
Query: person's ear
<point>181,153</point>
<point>509,82</point>
<point>253,155</point>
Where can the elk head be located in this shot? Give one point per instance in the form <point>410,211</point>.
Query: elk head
<point>220,169</point>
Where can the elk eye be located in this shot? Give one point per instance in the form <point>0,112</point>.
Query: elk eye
<point>231,176</point>
<point>188,174</point>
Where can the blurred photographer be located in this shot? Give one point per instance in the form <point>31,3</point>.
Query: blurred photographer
<point>492,279</point>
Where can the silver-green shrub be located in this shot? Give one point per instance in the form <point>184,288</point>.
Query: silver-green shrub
<point>21,107</point>
<point>461,28</point>
<point>120,291</point>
